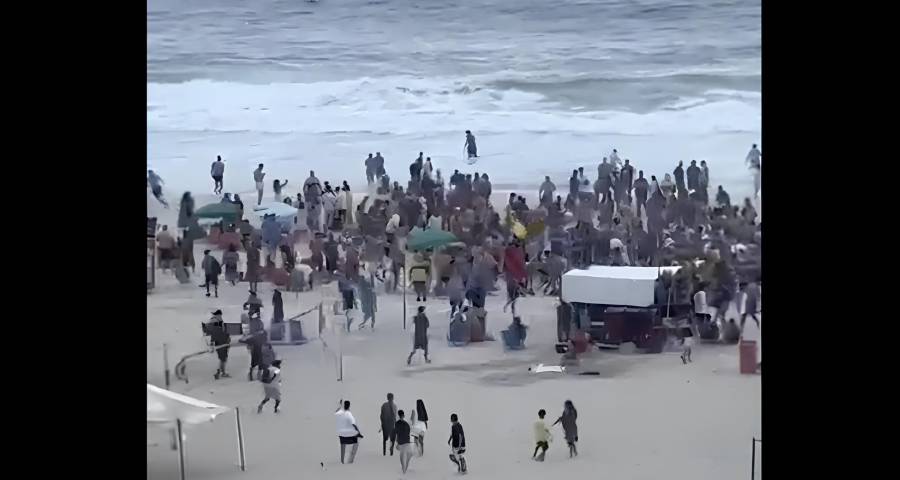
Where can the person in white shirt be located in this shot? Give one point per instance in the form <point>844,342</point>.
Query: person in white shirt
<point>754,162</point>
<point>348,432</point>
<point>329,204</point>
<point>700,310</point>
<point>615,161</point>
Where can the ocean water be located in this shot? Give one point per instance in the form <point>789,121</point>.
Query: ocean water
<point>546,87</point>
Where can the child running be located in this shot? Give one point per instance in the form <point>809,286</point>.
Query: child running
<point>542,437</point>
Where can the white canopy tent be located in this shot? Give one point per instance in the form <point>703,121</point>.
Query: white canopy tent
<point>631,286</point>
<point>167,408</point>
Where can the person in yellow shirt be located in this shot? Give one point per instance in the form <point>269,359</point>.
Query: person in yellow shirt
<point>542,437</point>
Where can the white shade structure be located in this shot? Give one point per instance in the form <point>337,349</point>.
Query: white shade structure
<point>164,406</point>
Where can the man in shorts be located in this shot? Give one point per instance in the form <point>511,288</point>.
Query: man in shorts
<point>457,444</point>
<point>348,432</point>
<point>217,170</point>
<point>400,433</point>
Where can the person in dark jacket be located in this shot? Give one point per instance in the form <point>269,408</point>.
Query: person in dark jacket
<point>388,420</point>
<point>679,177</point>
<point>400,433</point>
<point>212,269</point>
<point>220,340</point>
<point>420,337</point>
<point>693,176</point>
<point>277,307</point>
<point>186,211</point>
<point>457,442</point>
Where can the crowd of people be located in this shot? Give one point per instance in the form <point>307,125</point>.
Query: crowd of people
<point>618,218</point>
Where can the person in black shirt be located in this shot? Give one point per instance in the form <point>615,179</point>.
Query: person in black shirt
<point>401,435</point>
<point>221,340</point>
<point>457,442</point>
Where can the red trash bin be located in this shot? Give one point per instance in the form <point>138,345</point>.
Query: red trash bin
<point>748,356</point>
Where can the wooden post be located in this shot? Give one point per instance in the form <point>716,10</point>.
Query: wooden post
<point>240,434</point>
<point>166,363</point>
<point>180,440</point>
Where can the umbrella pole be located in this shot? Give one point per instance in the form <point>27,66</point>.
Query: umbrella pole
<point>240,435</point>
<point>180,440</point>
<point>166,363</point>
<point>404,296</point>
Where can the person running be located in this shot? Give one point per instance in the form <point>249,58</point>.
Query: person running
<point>388,420</point>
<point>258,179</point>
<point>156,184</point>
<point>400,433</point>
<point>217,170</point>
<point>368,302</point>
<point>542,437</point>
<point>471,148</point>
<point>212,269</point>
<point>271,382</point>
<point>568,419</point>
<point>348,432</point>
<point>420,425</point>
<point>420,335</point>
<point>457,442</point>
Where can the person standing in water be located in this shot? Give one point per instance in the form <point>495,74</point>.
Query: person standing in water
<point>568,418</point>
<point>277,185</point>
<point>259,178</point>
<point>348,432</point>
<point>542,437</point>
<point>156,184</point>
<point>388,421</point>
<point>754,162</point>
<point>217,170</point>
<point>271,381</point>
<point>370,169</point>
<point>400,433</point>
<point>457,442</point>
<point>471,148</point>
<point>420,335</point>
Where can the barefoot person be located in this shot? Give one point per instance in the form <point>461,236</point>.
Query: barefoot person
<point>568,418</point>
<point>420,335</point>
<point>258,178</point>
<point>348,432</point>
<point>212,269</point>
<point>457,442</point>
<point>400,433</point>
<point>471,148</point>
<point>271,381</point>
<point>217,171</point>
<point>388,419</point>
<point>419,420</point>
<point>541,437</point>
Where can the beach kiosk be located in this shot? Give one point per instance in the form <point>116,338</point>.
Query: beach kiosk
<point>618,305</point>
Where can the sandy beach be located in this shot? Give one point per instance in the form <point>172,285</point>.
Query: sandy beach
<point>642,416</point>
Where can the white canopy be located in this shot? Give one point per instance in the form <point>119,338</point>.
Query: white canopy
<point>164,406</point>
<point>628,286</point>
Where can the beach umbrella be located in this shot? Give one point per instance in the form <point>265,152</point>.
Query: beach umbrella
<point>431,238</point>
<point>225,211</point>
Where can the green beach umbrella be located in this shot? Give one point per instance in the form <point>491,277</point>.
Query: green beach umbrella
<point>431,238</point>
<point>225,211</point>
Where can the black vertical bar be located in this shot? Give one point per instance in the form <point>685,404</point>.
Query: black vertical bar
<point>240,433</point>
<point>404,295</point>
<point>180,448</point>
<point>166,363</point>
<point>753,460</point>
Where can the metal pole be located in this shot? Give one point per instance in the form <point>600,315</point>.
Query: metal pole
<point>180,448</point>
<point>404,296</point>
<point>240,434</point>
<point>753,460</point>
<point>166,363</point>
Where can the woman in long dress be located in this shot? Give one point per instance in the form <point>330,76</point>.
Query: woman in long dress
<point>568,418</point>
<point>419,425</point>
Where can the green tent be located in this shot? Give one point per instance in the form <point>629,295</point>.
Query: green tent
<point>431,238</point>
<point>226,211</point>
